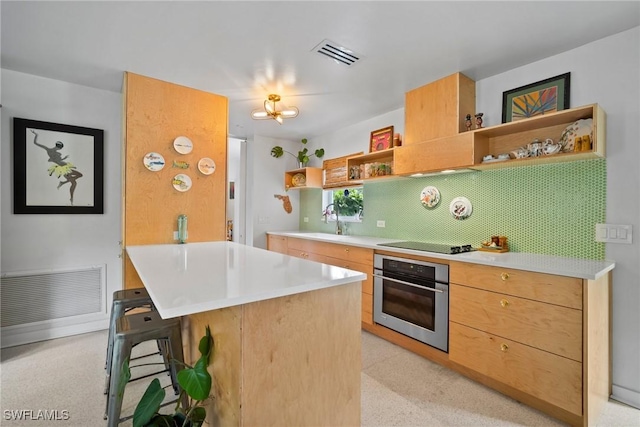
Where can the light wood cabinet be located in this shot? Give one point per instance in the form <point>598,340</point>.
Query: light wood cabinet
<point>544,375</point>
<point>541,338</point>
<point>313,178</point>
<point>438,109</point>
<point>336,172</point>
<point>452,152</point>
<point>345,256</point>
<point>277,243</point>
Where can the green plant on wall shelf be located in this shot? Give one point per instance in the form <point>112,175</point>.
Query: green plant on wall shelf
<point>303,155</point>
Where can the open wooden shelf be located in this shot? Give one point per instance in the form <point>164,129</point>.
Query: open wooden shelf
<point>382,161</point>
<point>467,149</point>
<point>313,178</point>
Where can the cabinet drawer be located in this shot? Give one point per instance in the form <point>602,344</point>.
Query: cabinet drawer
<point>306,255</point>
<point>548,327</point>
<point>552,378</point>
<point>344,252</point>
<point>559,290</point>
<point>277,244</point>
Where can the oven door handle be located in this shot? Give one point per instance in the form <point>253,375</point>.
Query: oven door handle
<point>409,284</point>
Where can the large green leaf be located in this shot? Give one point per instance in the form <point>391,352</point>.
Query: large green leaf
<point>196,381</point>
<point>320,153</point>
<point>149,404</point>
<point>277,151</point>
<point>198,416</point>
<point>163,421</point>
<point>125,376</point>
<point>206,344</point>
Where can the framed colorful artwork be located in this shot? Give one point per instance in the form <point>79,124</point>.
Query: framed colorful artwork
<point>535,99</point>
<point>57,169</point>
<point>381,139</point>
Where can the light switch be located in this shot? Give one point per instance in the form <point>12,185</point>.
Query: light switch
<point>614,233</point>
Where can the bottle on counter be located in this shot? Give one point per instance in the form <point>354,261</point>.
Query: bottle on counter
<point>182,228</point>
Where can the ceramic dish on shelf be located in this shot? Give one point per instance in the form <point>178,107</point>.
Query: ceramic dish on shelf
<point>460,208</point>
<point>181,182</point>
<point>183,145</point>
<point>495,160</point>
<point>207,166</point>
<point>298,180</point>
<point>153,161</point>
<point>570,133</point>
<point>430,197</point>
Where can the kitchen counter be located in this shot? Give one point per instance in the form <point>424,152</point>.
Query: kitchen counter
<point>561,266</point>
<point>279,323</point>
<point>198,277</point>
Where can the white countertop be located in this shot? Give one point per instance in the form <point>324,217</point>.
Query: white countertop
<point>198,277</point>
<point>562,266</point>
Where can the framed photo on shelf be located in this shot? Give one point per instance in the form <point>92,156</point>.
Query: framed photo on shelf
<point>57,168</point>
<point>535,99</point>
<point>381,139</point>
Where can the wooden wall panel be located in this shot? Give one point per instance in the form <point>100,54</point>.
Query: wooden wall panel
<point>157,112</point>
<point>302,360</point>
<point>225,365</point>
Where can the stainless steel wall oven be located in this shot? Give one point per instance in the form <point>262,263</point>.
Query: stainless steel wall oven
<point>412,298</point>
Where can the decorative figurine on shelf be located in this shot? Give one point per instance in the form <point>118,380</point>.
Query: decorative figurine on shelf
<point>479,120</point>
<point>467,122</point>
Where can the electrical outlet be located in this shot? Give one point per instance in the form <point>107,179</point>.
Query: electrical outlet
<point>263,220</point>
<point>614,233</point>
<point>175,235</point>
<point>305,219</point>
<point>380,223</point>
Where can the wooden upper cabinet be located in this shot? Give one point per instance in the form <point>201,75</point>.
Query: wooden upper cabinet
<point>439,109</point>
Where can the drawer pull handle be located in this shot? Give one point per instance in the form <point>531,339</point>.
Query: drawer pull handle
<point>504,302</point>
<point>504,276</point>
<point>346,250</point>
<point>504,347</point>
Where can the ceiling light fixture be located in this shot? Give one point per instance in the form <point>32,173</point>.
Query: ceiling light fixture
<point>272,111</point>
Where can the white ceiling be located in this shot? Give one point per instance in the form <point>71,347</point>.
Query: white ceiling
<point>246,50</point>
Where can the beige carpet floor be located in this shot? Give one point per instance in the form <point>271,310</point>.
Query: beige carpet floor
<point>398,389</point>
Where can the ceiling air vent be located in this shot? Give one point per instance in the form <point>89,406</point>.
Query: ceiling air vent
<point>339,54</point>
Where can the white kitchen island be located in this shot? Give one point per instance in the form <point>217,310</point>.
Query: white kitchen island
<point>286,330</point>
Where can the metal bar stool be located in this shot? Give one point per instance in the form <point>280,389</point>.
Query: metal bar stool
<point>124,301</point>
<point>134,329</point>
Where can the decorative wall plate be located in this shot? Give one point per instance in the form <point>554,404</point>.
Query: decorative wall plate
<point>153,161</point>
<point>298,180</point>
<point>207,166</point>
<point>181,182</point>
<point>574,130</point>
<point>183,145</point>
<point>430,197</point>
<point>460,208</point>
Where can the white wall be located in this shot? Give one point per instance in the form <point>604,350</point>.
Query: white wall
<point>606,72</point>
<point>266,175</point>
<point>42,242</point>
<point>355,138</point>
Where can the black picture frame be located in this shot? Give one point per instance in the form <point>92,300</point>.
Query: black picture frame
<point>57,168</point>
<point>546,96</point>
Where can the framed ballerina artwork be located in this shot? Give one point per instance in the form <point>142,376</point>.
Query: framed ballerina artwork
<point>57,169</point>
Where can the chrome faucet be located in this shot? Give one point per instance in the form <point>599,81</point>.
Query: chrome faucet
<point>326,217</point>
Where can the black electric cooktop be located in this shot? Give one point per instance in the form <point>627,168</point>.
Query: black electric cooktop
<point>429,247</point>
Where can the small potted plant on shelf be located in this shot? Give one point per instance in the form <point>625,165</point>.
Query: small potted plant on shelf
<point>195,383</point>
<point>303,155</point>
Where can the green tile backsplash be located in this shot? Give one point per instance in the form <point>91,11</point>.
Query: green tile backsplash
<point>548,209</point>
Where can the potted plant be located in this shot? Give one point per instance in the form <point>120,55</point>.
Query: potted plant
<point>195,383</point>
<point>303,155</point>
